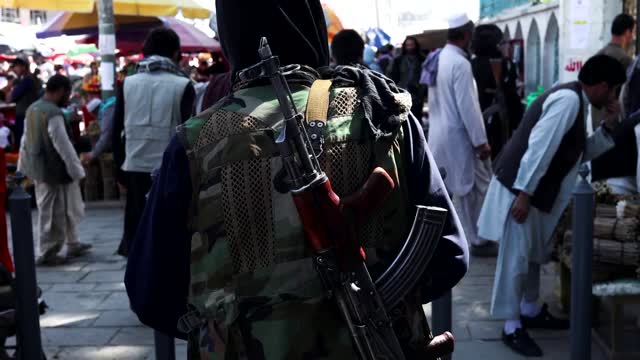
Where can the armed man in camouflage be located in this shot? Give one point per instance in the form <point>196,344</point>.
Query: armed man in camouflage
<point>220,236</point>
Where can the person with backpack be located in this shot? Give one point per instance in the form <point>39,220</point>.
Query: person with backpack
<point>221,248</point>
<point>496,77</point>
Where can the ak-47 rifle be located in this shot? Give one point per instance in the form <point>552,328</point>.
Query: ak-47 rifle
<point>329,232</point>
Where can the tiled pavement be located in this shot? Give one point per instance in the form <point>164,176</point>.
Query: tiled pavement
<point>89,316</point>
<point>478,335</point>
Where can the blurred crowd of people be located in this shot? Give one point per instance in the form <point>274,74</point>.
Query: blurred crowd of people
<point>108,136</point>
<point>408,67</point>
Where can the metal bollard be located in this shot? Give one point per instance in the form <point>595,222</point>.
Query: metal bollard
<point>27,316</point>
<point>441,316</point>
<point>581,267</point>
<point>165,346</point>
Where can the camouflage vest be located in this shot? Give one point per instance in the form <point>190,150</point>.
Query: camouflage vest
<point>251,275</point>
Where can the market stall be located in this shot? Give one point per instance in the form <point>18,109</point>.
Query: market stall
<point>616,271</point>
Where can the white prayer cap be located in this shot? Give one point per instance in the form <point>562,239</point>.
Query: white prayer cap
<point>457,20</point>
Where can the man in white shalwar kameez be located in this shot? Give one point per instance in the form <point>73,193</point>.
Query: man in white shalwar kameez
<point>48,157</point>
<point>457,134</point>
<point>534,179</point>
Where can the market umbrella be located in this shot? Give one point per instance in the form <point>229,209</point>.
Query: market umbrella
<point>68,23</point>
<point>130,39</point>
<point>193,9</point>
<point>130,31</point>
<point>334,25</point>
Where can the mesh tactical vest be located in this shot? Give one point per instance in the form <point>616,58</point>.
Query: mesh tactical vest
<point>251,276</point>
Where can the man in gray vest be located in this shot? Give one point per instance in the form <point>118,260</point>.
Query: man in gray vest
<point>48,157</point>
<point>622,33</point>
<point>534,176</point>
<point>151,105</point>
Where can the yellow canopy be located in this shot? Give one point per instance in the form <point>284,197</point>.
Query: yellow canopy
<point>192,9</point>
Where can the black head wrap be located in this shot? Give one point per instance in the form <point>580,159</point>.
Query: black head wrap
<point>485,41</point>
<point>602,68</point>
<point>296,30</point>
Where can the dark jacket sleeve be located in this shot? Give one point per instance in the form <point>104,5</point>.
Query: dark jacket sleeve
<point>117,141</point>
<point>106,132</point>
<point>393,72</point>
<point>219,87</point>
<point>451,259</point>
<point>157,275</point>
<point>187,102</point>
<point>23,87</point>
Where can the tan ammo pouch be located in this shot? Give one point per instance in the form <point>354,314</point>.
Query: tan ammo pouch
<point>317,112</point>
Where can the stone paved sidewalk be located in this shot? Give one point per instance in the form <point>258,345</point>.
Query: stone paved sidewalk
<point>478,336</point>
<point>89,316</point>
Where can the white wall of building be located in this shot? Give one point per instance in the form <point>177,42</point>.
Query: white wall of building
<point>562,63</point>
<point>538,27</point>
<point>599,22</point>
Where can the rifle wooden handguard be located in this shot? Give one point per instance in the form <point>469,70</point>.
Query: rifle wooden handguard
<point>328,220</point>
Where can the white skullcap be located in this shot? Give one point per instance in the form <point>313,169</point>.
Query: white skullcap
<point>457,20</point>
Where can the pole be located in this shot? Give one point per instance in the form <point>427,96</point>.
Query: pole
<point>27,316</point>
<point>377,14</point>
<point>107,45</point>
<point>581,261</point>
<point>441,316</point>
<point>165,346</point>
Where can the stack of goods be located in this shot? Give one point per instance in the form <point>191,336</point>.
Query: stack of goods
<point>616,231</point>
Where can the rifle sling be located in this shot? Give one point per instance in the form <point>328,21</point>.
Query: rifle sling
<point>318,103</point>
